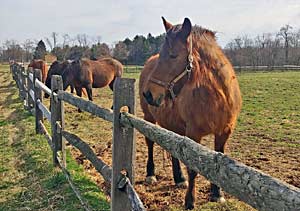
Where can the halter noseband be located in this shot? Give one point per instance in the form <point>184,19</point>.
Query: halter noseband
<point>188,70</point>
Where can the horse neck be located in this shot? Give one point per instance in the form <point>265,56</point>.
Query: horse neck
<point>208,58</point>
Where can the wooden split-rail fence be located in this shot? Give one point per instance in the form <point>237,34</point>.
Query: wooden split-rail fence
<point>257,189</point>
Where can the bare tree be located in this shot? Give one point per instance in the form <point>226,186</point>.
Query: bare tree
<point>12,51</point>
<point>54,36</point>
<point>82,40</point>
<point>96,39</point>
<point>66,40</point>
<point>28,47</point>
<point>52,41</point>
<point>285,34</point>
<point>49,43</point>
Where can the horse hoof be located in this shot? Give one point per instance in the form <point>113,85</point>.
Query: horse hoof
<point>189,206</point>
<point>151,180</point>
<point>182,185</point>
<point>218,199</point>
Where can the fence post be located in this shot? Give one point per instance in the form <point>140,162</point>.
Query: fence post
<point>18,79</point>
<point>57,119</point>
<point>30,87</point>
<point>37,75</point>
<point>12,69</point>
<point>123,142</point>
<point>22,80</point>
<point>26,90</point>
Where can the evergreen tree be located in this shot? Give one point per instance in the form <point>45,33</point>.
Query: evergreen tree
<point>40,51</point>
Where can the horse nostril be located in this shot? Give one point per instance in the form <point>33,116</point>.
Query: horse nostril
<point>149,97</point>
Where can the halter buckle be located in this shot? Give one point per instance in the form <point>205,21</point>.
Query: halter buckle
<point>188,69</point>
<point>171,86</point>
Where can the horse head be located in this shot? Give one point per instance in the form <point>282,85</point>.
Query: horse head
<point>58,68</point>
<point>173,63</point>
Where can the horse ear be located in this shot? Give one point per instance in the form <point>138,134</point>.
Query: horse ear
<point>186,29</point>
<point>166,24</point>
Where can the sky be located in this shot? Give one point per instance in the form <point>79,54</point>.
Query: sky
<point>115,20</point>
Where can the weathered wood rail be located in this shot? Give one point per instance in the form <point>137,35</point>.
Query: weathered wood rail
<point>259,190</point>
<point>123,195</point>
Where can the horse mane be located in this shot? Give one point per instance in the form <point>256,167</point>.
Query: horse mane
<point>198,31</point>
<point>210,61</point>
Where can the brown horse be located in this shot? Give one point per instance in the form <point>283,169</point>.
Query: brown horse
<point>39,64</point>
<point>190,88</point>
<point>90,74</point>
<point>57,68</point>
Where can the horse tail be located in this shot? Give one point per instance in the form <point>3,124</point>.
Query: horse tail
<point>119,69</point>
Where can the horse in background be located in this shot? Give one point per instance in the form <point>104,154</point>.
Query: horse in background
<point>88,74</point>
<point>57,68</point>
<point>40,64</point>
<point>190,88</point>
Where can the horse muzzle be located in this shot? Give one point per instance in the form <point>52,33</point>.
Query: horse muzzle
<point>150,99</point>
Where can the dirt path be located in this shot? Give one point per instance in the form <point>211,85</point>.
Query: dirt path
<point>279,158</point>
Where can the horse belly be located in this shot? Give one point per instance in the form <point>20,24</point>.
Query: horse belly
<point>102,80</point>
<point>207,111</point>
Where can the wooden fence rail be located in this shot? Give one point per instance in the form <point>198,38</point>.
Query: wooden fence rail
<point>267,68</point>
<point>124,196</point>
<point>259,190</point>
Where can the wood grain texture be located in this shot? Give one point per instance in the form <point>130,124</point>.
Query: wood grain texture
<point>256,188</point>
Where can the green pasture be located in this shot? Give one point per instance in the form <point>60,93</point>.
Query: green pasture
<point>269,120</point>
<point>28,179</point>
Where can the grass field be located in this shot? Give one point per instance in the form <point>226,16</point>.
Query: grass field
<point>28,179</point>
<point>267,138</point>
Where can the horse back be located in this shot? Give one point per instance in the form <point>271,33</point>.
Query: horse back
<point>99,73</point>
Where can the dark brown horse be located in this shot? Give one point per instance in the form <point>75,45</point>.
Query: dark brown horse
<point>190,88</point>
<point>90,74</point>
<point>57,68</point>
<point>40,64</point>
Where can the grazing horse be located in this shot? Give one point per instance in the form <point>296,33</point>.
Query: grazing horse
<point>90,74</point>
<point>190,88</point>
<point>40,64</point>
<point>57,68</point>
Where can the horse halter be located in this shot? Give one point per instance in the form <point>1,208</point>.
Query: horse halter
<point>188,70</point>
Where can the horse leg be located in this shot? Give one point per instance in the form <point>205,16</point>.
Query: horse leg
<point>177,174</point>
<point>195,135</point>
<point>150,178</point>
<point>89,91</point>
<point>190,193</point>
<point>111,84</point>
<point>72,89</point>
<point>79,94</point>
<point>216,194</point>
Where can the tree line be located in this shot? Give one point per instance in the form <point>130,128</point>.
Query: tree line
<point>128,51</point>
<point>268,49</point>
